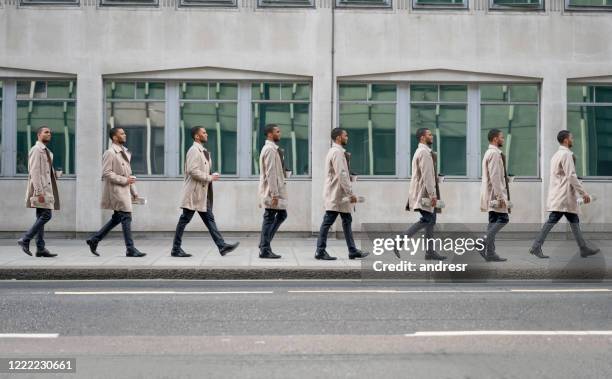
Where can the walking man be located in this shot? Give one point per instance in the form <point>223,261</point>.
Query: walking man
<point>118,192</point>
<point>272,190</point>
<point>338,196</point>
<point>198,195</point>
<point>42,192</point>
<point>494,188</point>
<point>564,190</point>
<point>424,192</point>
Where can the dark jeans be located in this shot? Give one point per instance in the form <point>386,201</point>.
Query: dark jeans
<point>427,221</point>
<point>272,220</point>
<point>328,221</point>
<point>497,221</point>
<point>38,229</point>
<point>554,218</point>
<point>209,221</point>
<point>119,217</point>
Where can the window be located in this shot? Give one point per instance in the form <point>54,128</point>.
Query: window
<point>146,3</point>
<point>49,2</point>
<point>363,3</point>
<point>460,4</point>
<point>443,110</point>
<point>207,3</point>
<point>285,3</point>
<point>588,4</point>
<point>214,106</point>
<point>139,108</point>
<point>367,112</point>
<point>288,105</point>
<point>50,103</point>
<point>513,109</point>
<point>1,112</point>
<point>589,118</point>
<point>517,4</point>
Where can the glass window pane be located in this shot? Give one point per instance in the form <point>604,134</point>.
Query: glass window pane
<point>49,2</point>
<point>518,3</point>
<point>295,91</point>
<point>220,122</point>
<point>352,91</point>
<point>577,93</point>
<point>520,126</point>
<point>603,94</point>
<point>59,116</point>
<point>448,123</point>
<point>61,90</point>
<point>439,2</point>
<point>1,124</point>
<point>266,91</point>
<point>293,120</point>
<point>149,90</point>
<point>371,130</point>
<point>591,127</point>
<point>144,124</point>
<point>423,92</point>
<point>120,90</point>
<point>382,92</point>
<point>223,91</point>
<point>590,3</point>
<point>524,93</point>
<point>285,3</point>
<point>207,3</point>
<point>194,91</point>
<point>494,92</point>
<point>31,89</point>
<point>358,3</point>
<point>129,2</point>
<point>453,93</point>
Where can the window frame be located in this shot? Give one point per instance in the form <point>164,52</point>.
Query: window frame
<point>286,4</point>
<point>388,4</point>
<point>589,104</point>
<point>519,7</point>
<point>27,3</point>
<point>587,8</point>
<point>208,4</point>
<point>398,144</point>
<point>464,6</point>
<point>113,3</point>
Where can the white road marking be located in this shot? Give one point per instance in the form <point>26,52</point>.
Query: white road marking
<point>512,333</point>
<point>29,335</point>
<point>162,292</point>
<point>561,290</point>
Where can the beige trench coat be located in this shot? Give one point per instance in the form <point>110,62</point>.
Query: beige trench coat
<point>197,179</point>
<point>117,194</point>
<point>272,176</point>
<point>41,178</point>
<point>564,187</point>
<point>423,181</point>
<point>337,181</point>
<point>493,185</point>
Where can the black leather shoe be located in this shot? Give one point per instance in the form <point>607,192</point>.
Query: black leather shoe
<point>493,257</point>
<point>537,252</point>
<point>586,251</point>
<point>228,248</point>
<point>44,253</point>
<point>134,253</point>
<point>433,256</point>
<point>25,246</point>
<point>324,256</point>
<point>396,251</point>
<point>93,247</point>
<point>268,254</point>
<point>358,254</point>
<point>180,253</point>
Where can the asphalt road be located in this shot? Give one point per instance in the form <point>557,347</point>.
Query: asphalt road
<point>305,329</point>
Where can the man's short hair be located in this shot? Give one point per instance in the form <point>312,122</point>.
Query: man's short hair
<point>563,135</point>
<point>420,133</point>
<point>195,130</point>
<point>270,128</point>
<point>493,133</point>
<point>336,132</point>
<point>40,129</point>
<point>113,132</point>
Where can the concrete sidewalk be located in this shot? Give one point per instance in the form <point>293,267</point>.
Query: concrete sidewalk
<point>297,262</point>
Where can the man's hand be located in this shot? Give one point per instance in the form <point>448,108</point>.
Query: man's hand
<point>434,201</point>
<point>131,180</point>
<point>275,201</point>
<point>215,176</point>
<point>353,199</point>
<point>586,198</point>
<point>41,199</point>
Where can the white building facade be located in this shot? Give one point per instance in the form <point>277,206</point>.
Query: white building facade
<point>379,68</point>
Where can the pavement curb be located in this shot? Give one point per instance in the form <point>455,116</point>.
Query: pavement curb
<point>213,273</point>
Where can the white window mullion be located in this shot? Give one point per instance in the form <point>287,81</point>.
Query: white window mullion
<point>473,132</point>
<point>171,132</point>
<point>9,127</point>
<point>402,128</point>
<point>244,130</point>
